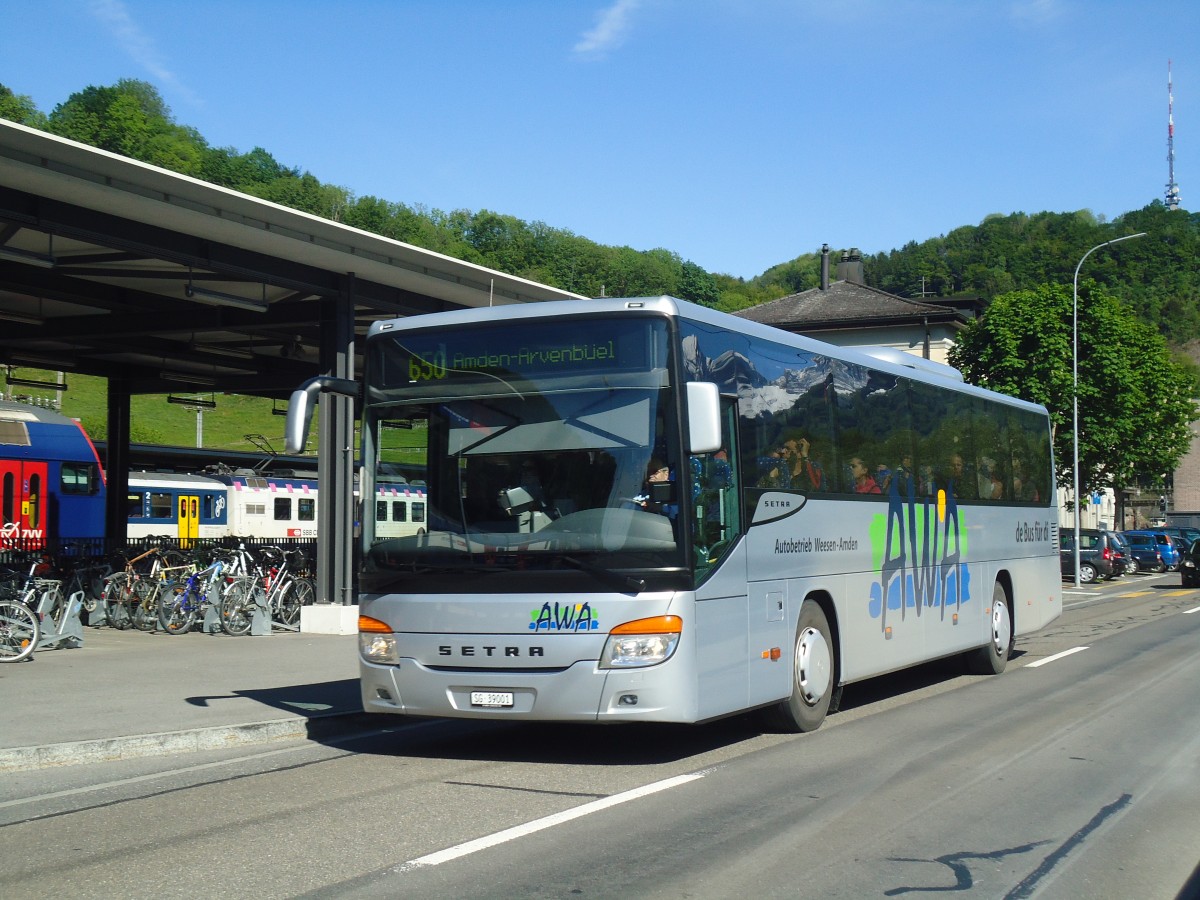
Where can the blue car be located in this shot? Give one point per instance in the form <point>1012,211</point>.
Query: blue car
<point>1155,551</point>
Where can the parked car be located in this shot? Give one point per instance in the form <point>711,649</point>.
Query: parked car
<point>1189,569</point>
<point>1154,551</point>
<point>1122,550</point>
<point>1183,536</point>
<point>1172,548</point>
<point>1098,556</point>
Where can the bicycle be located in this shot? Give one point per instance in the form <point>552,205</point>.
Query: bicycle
<point>177,613</point>
<point>130,590</point>
<point>149,591</point>
<point>20,631</point>
<point>275,587</point>
<point>21,597</point>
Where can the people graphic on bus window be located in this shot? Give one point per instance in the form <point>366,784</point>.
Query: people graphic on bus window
<point>863,477</point>
<point>991,483</point>
<point>807,473</point>
<point>791,467</point>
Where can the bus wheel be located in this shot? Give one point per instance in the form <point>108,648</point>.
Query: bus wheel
<point>814,684</point>
<point>991,659</point>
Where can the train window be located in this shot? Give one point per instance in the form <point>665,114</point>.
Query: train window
<point>8,505</point>
<point>133,506</point>
<point>78,478</point>
<point>283,509</point>
<point>399,511</point>
<point>256,509</point>
<point>162,505</point>
<point>418,512</point>
<point>380,510</point>
<point>208,506</point>
<point>306,509</point>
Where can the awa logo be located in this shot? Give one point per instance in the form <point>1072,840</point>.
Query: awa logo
<point>563,617</point>
<point>920,548</point>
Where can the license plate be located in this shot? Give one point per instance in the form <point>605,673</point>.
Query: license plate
<point>491,699</point>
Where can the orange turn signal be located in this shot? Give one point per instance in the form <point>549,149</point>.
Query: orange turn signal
<point>373,626</point>
<point>653,625</point>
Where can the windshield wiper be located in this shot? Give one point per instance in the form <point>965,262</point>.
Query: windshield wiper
<point>627,583</point>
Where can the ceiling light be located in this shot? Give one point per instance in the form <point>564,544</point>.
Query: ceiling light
<point>196,402</point>
<point>34,383</point>
<point>231,352</point>
<point>25,256</point>
<point>188,378</point>
<point>41,362</point>
<point>21,318</point>
<point>219,298</point>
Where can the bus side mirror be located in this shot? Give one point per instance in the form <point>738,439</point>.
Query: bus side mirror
<point>704,417</point>
<point>303,403</point>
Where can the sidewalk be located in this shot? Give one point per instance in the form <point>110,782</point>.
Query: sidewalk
<point>132,693</point>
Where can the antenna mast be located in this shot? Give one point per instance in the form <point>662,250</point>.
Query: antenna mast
<point>1172,187</point>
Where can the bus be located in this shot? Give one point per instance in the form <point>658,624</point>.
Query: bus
<point>646,510</point>
<point>51,483</point>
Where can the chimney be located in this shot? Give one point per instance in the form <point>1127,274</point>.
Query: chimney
<point>824,267</point>
<point>851,268</point>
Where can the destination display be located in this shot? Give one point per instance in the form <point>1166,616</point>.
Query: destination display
<point>519,351</point>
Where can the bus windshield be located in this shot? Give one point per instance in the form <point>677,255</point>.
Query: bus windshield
<point>540,454</point>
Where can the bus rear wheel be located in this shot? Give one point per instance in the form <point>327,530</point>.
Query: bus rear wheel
<point>992,658</point>
<point>815,691</point>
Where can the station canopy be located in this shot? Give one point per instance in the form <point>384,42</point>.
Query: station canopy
<point>115,268</point>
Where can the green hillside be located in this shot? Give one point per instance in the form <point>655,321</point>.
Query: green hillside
<point>154,420</point>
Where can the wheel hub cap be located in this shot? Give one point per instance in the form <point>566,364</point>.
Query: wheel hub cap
<point>813,665</point>
<point>1001,627</point>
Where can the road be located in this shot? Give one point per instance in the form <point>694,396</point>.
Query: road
<point>1074,774</point>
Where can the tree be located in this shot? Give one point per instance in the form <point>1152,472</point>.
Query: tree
<point>20,108</point>
<point>1135,401</point>
<point>697,285</point>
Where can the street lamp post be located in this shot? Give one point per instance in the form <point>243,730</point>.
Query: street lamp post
<point>1075,381</point>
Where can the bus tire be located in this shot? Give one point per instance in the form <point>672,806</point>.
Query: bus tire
<point>814,676</point>
<point>992,658</point>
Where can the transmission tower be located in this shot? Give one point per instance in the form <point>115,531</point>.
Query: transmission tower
<point>1172,187</point>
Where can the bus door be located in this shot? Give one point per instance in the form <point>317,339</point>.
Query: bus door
<point>189,519</point>
<point>23,500</point>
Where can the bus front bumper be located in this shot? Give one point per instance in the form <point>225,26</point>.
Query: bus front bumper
<point>579,693</point>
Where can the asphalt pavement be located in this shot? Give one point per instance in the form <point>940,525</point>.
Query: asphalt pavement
<point>131,693</point>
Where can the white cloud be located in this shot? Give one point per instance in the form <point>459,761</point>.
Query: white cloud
<point>114,15</point>
<point>1037,12</point>
<point>611,27</point>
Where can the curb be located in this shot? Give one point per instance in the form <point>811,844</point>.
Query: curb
<point>216,737</point>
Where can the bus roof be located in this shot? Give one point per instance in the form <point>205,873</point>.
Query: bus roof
<point>884,359</point>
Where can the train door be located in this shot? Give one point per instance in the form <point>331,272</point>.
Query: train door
<point>23,499</point>
<point>189,519</point>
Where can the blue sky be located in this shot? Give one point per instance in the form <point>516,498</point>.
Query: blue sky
<point>736,133</point>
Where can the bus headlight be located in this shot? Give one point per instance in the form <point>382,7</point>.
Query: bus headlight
<point>643,642</point>
<point>377,642</point>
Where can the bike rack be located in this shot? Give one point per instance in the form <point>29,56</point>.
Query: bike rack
<point>67,629</point>
<point>212,620</point>
<point>260,616</point>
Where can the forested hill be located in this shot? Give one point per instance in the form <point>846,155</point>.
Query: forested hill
<point>1157,275</point>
